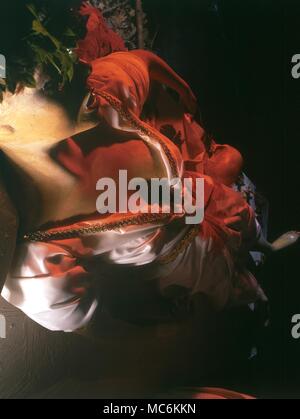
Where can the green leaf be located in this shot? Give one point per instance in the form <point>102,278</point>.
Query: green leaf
<point>38,28</point>
<point>33,11</point>
<point>61,59</point>
<point>70,33</point>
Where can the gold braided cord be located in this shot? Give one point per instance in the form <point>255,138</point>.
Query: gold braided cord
<point>144,130</point>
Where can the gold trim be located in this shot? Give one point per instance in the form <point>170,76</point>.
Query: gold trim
<point>180,247</point>
<point>71,233</point>
<point>142,128</point>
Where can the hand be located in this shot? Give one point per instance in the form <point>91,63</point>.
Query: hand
<point>286,240</point>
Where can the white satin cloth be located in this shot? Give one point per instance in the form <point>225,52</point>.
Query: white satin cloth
<point>51,284</point>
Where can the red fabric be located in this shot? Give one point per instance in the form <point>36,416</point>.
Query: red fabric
<point>228,218</point>
<point>224,163</point>
<point>216,394</point>
<point>100,40</point>
<point>124,76</point>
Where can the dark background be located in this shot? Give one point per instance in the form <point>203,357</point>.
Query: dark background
<point>237,57</point>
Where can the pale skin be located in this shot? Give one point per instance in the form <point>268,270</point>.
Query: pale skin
<point>30,125</point>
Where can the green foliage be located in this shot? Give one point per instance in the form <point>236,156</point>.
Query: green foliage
<point>45,34</point>
<point>59,56</point>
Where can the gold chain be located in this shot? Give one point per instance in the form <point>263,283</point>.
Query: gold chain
<point>142,128</point>
<point>181,246</point>
<point>70,233</point>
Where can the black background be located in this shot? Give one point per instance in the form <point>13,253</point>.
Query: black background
<point>237,57</point>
